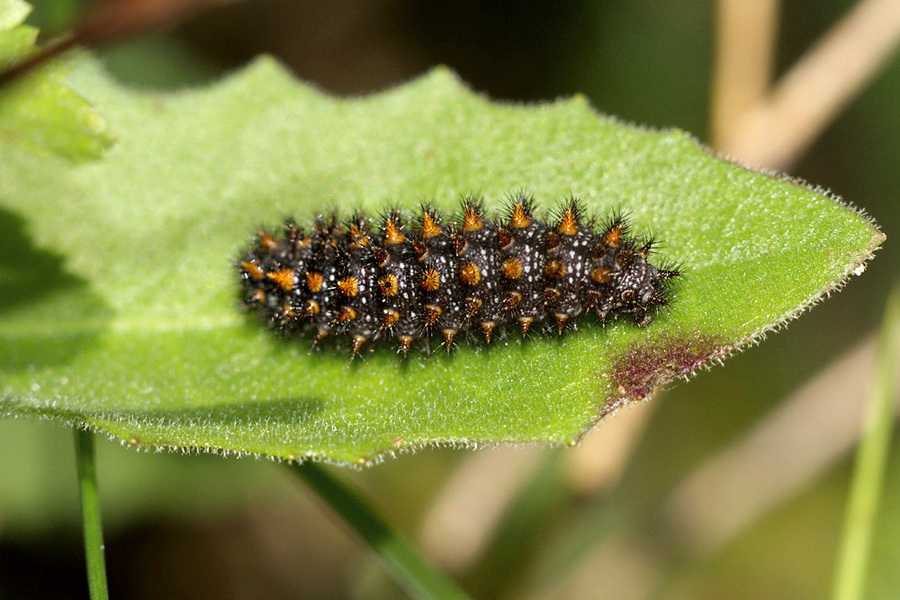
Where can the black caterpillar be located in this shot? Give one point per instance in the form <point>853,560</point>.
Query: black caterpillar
<point>407,282</point>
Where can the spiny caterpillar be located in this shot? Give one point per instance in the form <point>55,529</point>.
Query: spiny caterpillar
<point>409,279</point>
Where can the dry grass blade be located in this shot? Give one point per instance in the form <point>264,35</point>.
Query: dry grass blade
<point>776,130</point>
<point>745,47</point>
<point>777,458</point>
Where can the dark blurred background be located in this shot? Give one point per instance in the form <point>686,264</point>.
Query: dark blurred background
<point>202,527</point>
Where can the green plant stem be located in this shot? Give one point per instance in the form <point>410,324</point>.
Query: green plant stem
<point>90,515</point>
<point>402,562</point>
<point>871,458</point>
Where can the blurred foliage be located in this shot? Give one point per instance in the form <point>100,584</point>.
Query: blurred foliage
<point>39,111</point>
<point>646,61</point>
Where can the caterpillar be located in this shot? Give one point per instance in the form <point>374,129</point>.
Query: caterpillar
<point>409,277</point>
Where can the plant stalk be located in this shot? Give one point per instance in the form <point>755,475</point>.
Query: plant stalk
<point>90,515</point>
<point>404,564</point>
<point>869,468</point>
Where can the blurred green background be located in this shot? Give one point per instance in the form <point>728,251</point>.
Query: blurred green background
<point>202,526</point>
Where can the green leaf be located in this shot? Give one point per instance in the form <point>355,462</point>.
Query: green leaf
<point>39,111</point>
<point>12,14</point>
<point>120,305</point>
